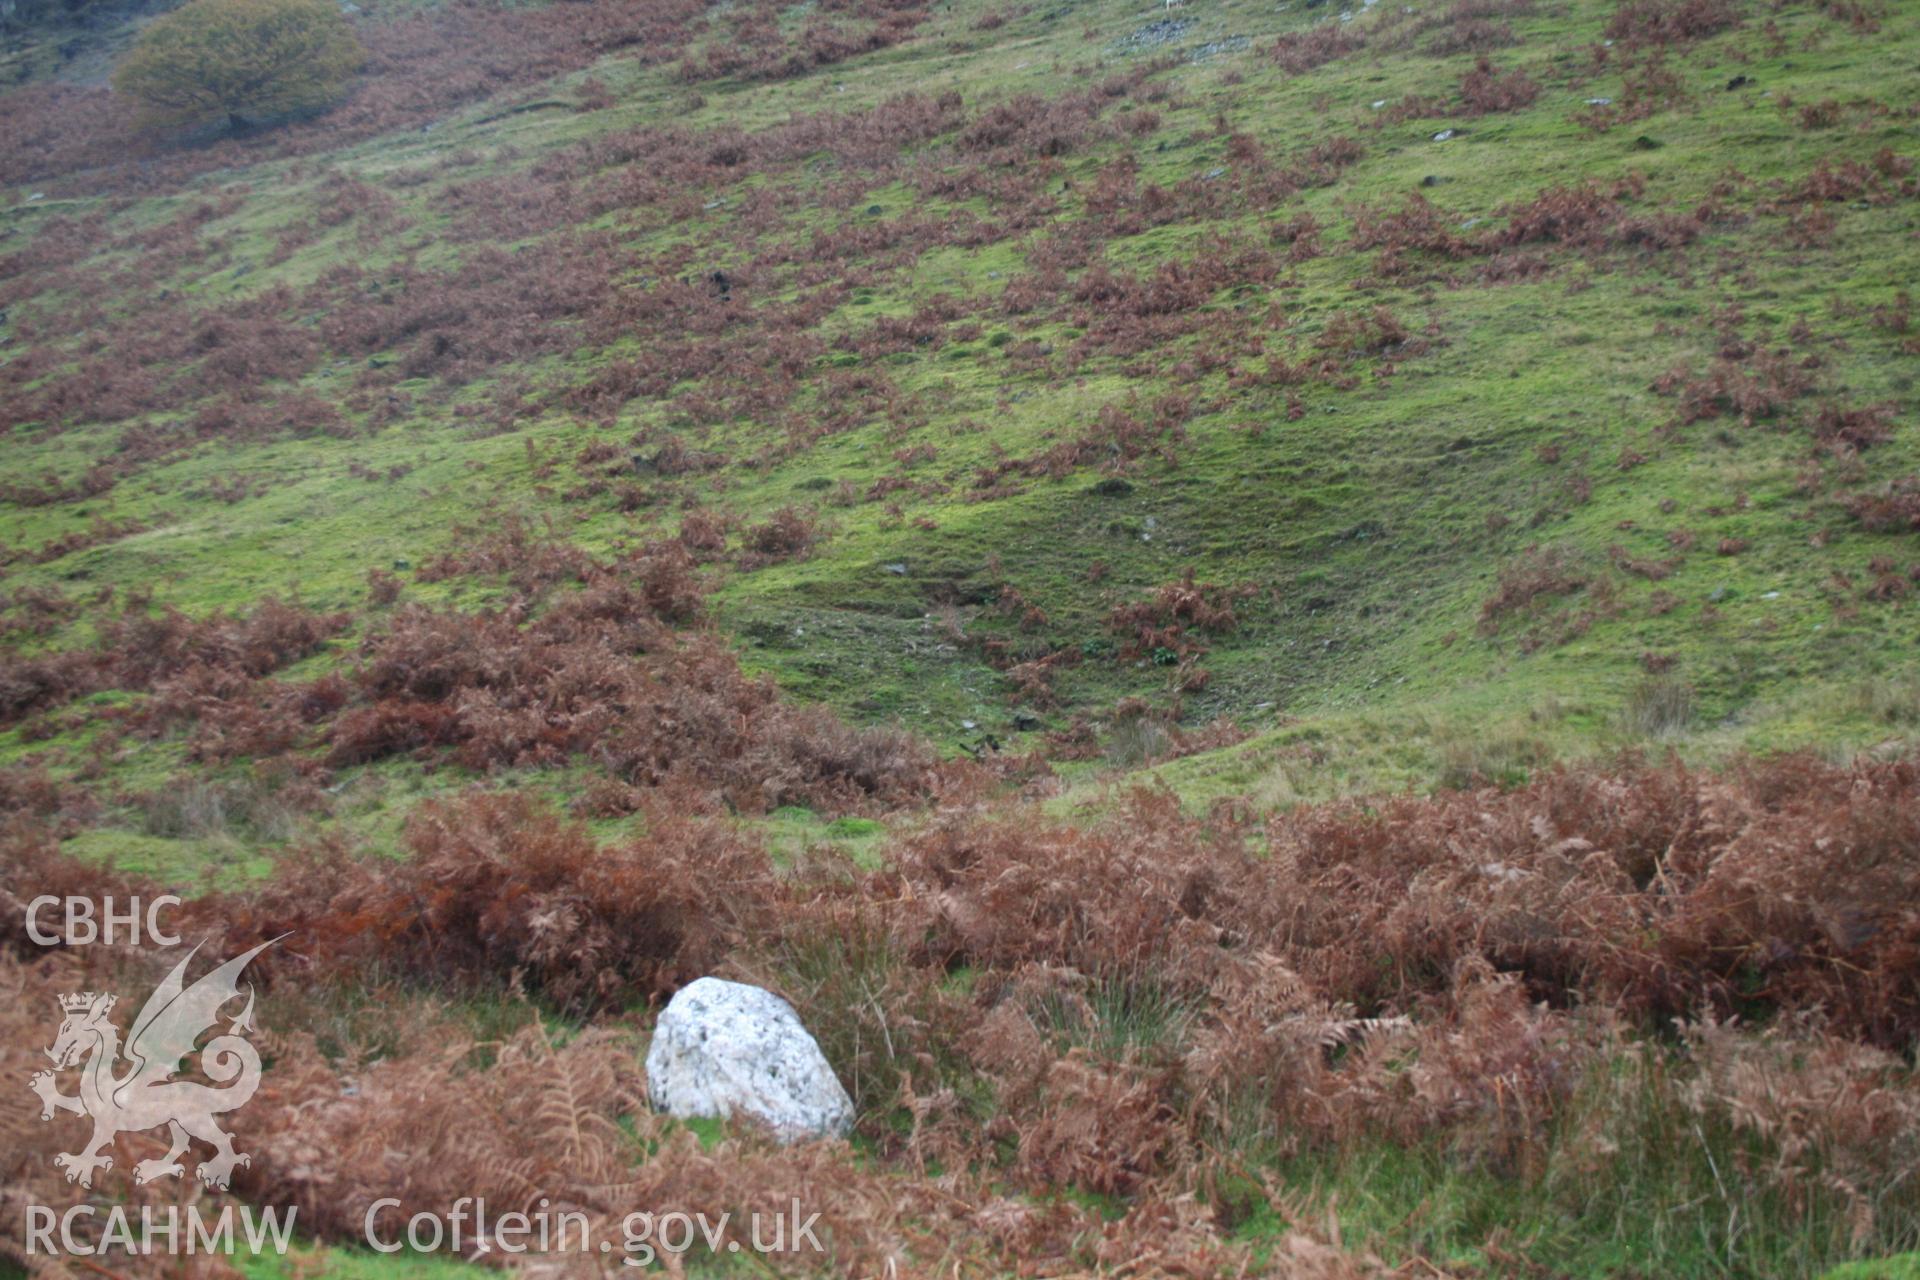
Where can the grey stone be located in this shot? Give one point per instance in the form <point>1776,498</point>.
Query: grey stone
<point>1163,31</point>
<point>725,1048</point>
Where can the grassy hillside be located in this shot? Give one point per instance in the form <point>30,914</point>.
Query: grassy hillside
<point>807,422</point>
<point>966,313</point>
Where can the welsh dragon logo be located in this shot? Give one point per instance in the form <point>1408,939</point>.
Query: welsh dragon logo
<point>145,1095</point>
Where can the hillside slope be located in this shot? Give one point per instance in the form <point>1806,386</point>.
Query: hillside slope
<point>1292,630</point>
<point>951,360</point>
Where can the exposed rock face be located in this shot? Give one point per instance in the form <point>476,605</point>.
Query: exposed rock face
<point>725,1048</point>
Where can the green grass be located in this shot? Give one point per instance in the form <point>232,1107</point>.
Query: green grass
<point>1630,1183</point>
<point>1359,664</point>
<point>357,1264</point>
<point>335,1264</point>
<point>1904,1267</point>
<point>1364,525</point>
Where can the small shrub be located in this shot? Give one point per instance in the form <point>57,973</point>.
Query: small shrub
<point>1364,333</point>
<point>1664,22</point>
<point>1750,387</point>
<point>1161,626</point>
<point>1820,115</point>
<point>1301,51</point>
<point>1471,35</point>
<point>1894,508</point>
<point>1854,429</point>
<point>1540,572</point>
<point>383,588</point>
<point>498,885</point>
<point>238,61</point>
<point>789,534</point>
<point>1486,90</point>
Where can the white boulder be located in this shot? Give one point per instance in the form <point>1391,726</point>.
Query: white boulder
<point>725,1048</point>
